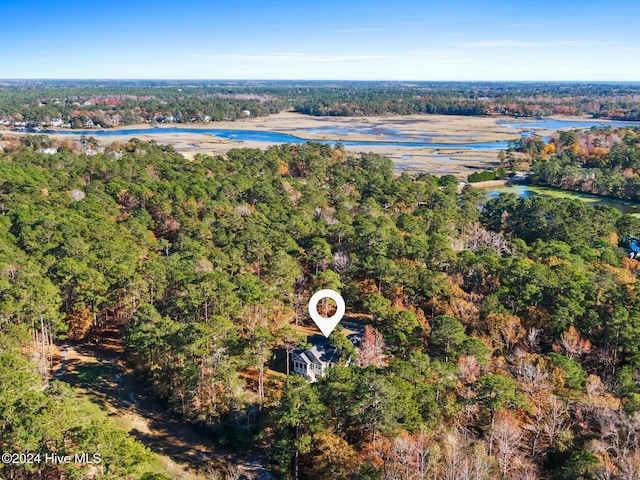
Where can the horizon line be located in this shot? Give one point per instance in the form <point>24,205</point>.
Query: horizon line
<point>152,79</point>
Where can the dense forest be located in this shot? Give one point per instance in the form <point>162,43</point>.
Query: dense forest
<point>501,337</point>
<point>601,161</point>
<point>116,103</point>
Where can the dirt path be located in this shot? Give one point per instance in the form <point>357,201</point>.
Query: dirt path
<point>98,373</point>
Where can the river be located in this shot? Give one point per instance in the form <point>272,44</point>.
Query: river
<point>394,138</point>
<point>277,138</point>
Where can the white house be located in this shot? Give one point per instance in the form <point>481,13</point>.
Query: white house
<point>313,363</point>
<point>48,151</point>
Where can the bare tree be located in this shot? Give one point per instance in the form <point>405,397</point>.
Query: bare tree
<point>620,444</point>
<point>507,438</point>
<point>532,377</point>
<point>371,348</point>
<point>340,262</point>
<point>479,237</point>
<point>556,420</point>
<point>453,456</point>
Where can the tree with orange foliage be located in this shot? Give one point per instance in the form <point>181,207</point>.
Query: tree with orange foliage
<point>572,344</point>
<point>506,330</point>
<point>330,458</point>
<point>79,321</point>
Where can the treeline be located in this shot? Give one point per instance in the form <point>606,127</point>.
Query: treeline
<point>498,174</point>
<point>125,103</point>
<point>117,104</point>
<point>598,161</point>
<point>358,103</point>
<point>500,342</point>
<point>515,99</point>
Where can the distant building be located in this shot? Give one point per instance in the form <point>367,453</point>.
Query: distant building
<point>48,151</point>
<point>246,113</point>
<point>56,122</point>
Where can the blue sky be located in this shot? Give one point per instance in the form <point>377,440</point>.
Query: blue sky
<point>351,40</point>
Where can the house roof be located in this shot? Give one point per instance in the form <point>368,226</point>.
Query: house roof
<point>304,357</point>
<point>320,352</point>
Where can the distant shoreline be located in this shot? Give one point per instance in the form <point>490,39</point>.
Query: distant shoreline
<point>443,129</point>
<point>475,129</point>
